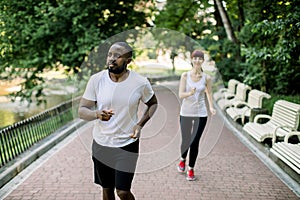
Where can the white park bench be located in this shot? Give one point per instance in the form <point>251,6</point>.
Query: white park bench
<point>241,95</point>
<point>228,92</point>
<point>287,152</point>
<point>284,119</point>
<point>241,109</point>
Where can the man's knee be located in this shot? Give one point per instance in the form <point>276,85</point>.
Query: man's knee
<point>123,194</point>
<point>108,192</point>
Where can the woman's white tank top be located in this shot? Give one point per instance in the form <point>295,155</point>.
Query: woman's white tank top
<point>194,106</point>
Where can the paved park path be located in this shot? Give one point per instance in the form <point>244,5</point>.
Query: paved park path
<point>225,169</point>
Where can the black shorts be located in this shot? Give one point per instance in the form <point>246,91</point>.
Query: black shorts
<point>115,167</point>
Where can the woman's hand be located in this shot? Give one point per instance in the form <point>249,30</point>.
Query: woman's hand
<point>192,92</point>
<point>212,110</point>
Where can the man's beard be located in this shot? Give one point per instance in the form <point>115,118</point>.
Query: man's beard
<point>118,70</point>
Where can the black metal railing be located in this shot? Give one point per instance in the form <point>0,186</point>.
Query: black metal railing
<point>19,137</point>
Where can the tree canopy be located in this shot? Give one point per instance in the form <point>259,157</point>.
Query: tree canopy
<point>257,42</point>
<point>254,41</point>
<point>37,35</point>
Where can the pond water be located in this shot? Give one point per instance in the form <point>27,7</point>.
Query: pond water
<point>12,112</point>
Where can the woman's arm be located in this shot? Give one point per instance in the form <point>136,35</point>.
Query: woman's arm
<point>182,86</point>
<point>208,91</point>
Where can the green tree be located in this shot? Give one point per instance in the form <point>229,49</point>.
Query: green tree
<point>271,43</point>
<point>183,16</point>
<point>202,21</point>
<point>186,16</point>
<point>38,35</point>
<point>265,52</point>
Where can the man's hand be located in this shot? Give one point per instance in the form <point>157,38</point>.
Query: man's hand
<point>136,132</point>
<point>104,115</point>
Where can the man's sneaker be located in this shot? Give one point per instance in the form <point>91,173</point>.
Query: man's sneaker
<point>181,166</point>
<point>190,175</point>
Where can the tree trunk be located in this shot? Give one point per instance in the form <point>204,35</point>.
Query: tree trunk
<point>226,21</point>
<point>241,15</point>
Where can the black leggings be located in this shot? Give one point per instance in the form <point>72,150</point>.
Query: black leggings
<point>191,131</point>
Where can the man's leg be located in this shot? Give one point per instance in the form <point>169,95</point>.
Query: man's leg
<point>104,176</point>
<point>123,185</point>
<point>108,194</point>
<point>125,195</point>
<point>125,169</point>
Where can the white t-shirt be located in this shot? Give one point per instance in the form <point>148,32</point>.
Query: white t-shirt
<point>194,106</point>
<point>121,97</point>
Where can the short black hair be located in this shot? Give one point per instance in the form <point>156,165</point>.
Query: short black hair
<point>127,47</point>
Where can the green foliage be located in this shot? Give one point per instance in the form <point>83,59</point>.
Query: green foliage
<point>271,48</point>
<point>225,57</point>
<point>38,35</point>
<point>267,55</point>
<point>189,27</point>
<point>181,15</point>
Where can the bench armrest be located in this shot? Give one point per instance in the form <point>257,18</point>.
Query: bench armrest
<point>223,90</point>
<point>244,115</point>
<point>286,138</point>
<point>239,104</point>
<point>257,117</point>
<point>229,96</point>
<point>276,129</point>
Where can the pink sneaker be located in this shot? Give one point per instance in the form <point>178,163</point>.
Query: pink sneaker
<point>190,175</point>
<point>181,166</point>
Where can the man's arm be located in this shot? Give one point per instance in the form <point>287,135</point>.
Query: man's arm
<point>151,108</point>
<point>87,112</point>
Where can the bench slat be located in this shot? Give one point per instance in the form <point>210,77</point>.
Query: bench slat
<point>294,167</point>
<point>284,114</point>
<point>255,99</point>
<point>225,92</point>
<point>290,151</point>
<point>241,95</point>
